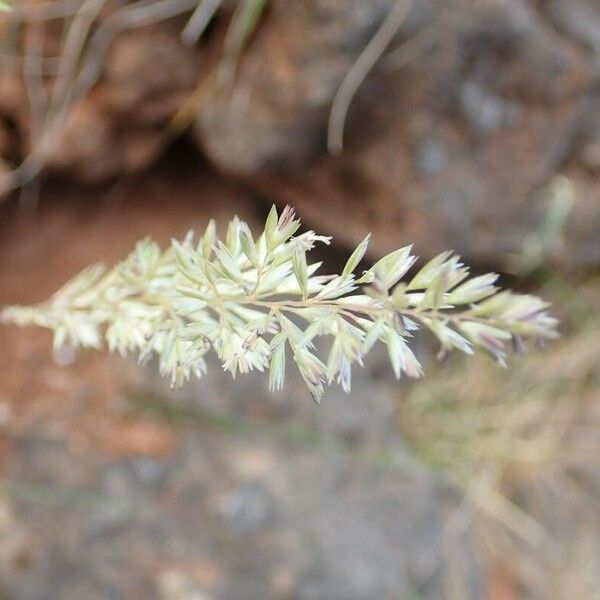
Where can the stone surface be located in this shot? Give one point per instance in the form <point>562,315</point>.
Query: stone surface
<point>578,19</point>
<point>450,150</point>
<point>244,511</point>
<point>273,115</point>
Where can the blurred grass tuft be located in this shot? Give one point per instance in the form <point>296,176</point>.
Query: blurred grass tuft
<point>524,448</point>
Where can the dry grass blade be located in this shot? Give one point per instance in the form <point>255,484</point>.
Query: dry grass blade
<point>199,21</point>
<point>78,67</point>
<point>359,70</point>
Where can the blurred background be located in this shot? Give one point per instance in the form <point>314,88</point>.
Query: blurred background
<point>471,125</point>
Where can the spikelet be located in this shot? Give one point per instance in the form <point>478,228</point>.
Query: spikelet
<point>254,301</point>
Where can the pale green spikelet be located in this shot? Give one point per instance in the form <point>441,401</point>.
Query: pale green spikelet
<point>249,299</point>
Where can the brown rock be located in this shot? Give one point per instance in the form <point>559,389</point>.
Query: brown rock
<point>445,152</point>
<point>274,115</point>
<point>121,127</point>
<point>579,19</point>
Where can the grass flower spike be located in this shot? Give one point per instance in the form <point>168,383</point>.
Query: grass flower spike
<point>258,301</point>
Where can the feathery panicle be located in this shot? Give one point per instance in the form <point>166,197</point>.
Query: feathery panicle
<point>249,299</point>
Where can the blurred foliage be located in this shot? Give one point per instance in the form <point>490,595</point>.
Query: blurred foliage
<point>505,440</point>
